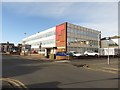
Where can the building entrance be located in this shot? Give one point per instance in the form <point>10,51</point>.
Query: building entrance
<point>48,50</point>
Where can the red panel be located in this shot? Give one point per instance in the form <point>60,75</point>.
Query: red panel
<point>59,30</point>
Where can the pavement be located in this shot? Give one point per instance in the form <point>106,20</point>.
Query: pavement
<point>99,65</point>
<point>96,64</point>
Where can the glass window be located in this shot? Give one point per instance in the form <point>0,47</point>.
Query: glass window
<point>90,34</point>
<point>84,32</point>
<point>68,24</point>
<point>75,26</point>
<point>72,31</point>
<point>72,39</point>
<point>78,31</point>
<point>68,29</point>
<point>68,39</point>
<point>75,31</point>
<point>81,32</point>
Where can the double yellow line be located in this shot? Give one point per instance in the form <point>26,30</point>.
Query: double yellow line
<point>14,83</point>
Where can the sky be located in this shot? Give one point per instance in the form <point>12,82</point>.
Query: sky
<point>32,17</point>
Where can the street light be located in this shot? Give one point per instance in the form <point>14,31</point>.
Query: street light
<point>7,46</point>
<point>108,38</point>
<point>99,37</point>
<point>40,46</point>
<point>24,43</point>
<point>23,47</point>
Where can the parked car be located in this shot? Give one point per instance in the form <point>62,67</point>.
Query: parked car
<point>14,51</point>
<point>69,54</point>
<point>60,54</point>
<point>41,52</point>
<point>91,53</point>
<point>33,51</point>
<point>24,51</point>
<point>75,53</point>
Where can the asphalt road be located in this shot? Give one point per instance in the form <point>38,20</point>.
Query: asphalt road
<point>40,74</point>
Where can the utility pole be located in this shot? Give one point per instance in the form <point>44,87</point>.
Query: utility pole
<point>7,46</point>
<point>108,60</point>
<point>40,46</point>
<point>24,43</point>
<point>99,37</point>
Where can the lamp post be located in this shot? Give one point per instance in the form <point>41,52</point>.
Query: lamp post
<point>108,60</point>
<point>7,46</point>
<point>24,47</point>
<point>40,46</point>
<point>24,43</point>
<point>99,37</point>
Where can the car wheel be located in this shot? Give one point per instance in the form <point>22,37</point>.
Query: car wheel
<point>96,55</point>
<point>86,54</point>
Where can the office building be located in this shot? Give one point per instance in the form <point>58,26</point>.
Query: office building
<point>64,37</point>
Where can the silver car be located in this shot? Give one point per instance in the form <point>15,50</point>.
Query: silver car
<point>91,53</point>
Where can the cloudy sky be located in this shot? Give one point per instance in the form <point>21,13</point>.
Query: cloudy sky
<point>32,17</point>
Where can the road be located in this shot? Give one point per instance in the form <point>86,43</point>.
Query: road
<point>40,74</point>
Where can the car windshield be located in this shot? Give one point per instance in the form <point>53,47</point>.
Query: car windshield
<point>90,51</point>
<point>75,52</point>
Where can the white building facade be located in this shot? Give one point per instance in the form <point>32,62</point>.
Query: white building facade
<point>110,47</point>
<point>44,39</point>
<point>64,37</point>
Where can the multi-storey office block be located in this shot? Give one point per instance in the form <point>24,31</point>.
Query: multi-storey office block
<point>65,37</point>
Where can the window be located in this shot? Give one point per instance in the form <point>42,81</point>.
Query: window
<point>75,31</point>
<point>68,24</point>
<point>68,29</point>
<point>78,32</point>
<point>72,30</point>
<point>71,39</point>
<point>68,39</point>
<point>75,26</point>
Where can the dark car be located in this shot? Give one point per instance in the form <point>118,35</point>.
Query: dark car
<point>60,54</point>
<point>69,54</point>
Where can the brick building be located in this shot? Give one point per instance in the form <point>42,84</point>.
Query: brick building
<point>6,47</point>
